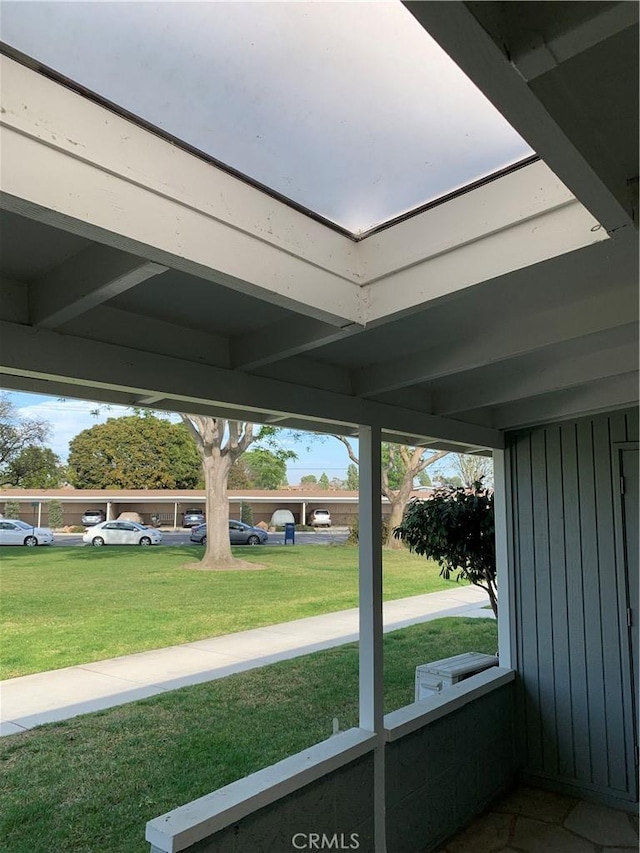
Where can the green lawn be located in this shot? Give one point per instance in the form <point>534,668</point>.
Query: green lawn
<point>91,784</point>
<point>65,606</point>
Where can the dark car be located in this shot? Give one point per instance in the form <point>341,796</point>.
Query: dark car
<point>239,534</point>
<point>192,517</point>
<point>93,516</point>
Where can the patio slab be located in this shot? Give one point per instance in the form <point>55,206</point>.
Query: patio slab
<point>532,820</point>
<point>602,825</point>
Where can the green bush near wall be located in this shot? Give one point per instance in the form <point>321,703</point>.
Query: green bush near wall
<point>56,517</point>
<point>11,509</point>
<point>246,513</point>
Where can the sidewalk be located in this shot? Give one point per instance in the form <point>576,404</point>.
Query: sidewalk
<point>62,693</point>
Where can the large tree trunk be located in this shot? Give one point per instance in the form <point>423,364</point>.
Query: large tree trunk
<point>218,548</point>
<point>398,501</point>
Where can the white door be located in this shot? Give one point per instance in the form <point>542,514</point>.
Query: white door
<point>129,535</point>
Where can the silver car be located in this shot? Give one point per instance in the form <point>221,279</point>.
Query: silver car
<point>16,532</point>
<point>121,533</point>
<point>239,534</point>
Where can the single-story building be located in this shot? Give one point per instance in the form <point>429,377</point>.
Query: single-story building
<point>165,508</point>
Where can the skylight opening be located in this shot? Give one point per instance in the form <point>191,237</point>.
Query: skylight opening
<point>347,109</point>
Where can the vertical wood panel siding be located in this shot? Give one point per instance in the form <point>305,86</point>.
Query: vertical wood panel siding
<point>570,631</point>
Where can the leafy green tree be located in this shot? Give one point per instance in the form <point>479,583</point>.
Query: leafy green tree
<point>56,516</point>
<point>400,467</point>
<point>134,452</point>
<point>238,477</point>
<point>308,480</point>
<point>11,509</point>
<point>34,468</point>
<point>17,433</point>
<point>267,469</point>
<point>424,479</point>
<point>452,480</point>
<point>457,529</point>
<point>353,478</point>
<point>323,482</point>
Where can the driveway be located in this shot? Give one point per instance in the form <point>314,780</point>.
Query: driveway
<point>335,535</point>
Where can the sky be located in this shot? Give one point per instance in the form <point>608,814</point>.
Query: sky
<point>317,455</point>
<point>349,108</point>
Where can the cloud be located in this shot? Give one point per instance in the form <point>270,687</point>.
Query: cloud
<point>68,418</point>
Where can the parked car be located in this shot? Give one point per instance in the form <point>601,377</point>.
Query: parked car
<point>121,533</point>
<point>16,532</point>
<point>92,516</point>
<point>319,518</point>
<point>239,534</point>
<point>192,517</point>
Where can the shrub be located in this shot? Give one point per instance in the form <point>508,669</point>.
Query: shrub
<point>246,513</point>
<point>56,517</point>
<point>354,531</point>
<point>11,509</point>
<point>455,527</point>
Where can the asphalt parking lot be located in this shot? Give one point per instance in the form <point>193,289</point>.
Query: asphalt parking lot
<point>335,535</point>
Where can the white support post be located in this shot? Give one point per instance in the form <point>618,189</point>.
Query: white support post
<point>504,565</point>
<point>370,591</point>
<point>175,515</point>
<point>108,513</point>
<point>303,514</point>
<point>39,513</point>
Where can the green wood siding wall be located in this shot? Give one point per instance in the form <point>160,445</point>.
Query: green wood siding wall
<point>570,636</point>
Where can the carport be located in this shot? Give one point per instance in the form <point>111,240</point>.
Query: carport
<point>499,316</point>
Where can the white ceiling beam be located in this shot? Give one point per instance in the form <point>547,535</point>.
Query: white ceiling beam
<point>488,64</point>
<point>84,281</point>
<point>500,341</point>
<point>561,230</point>
<point>545,51</point>
<point>525,195</point>
<point>72,163</point>
<point>285,338</point>
<point>605,395</point>
<point>531,379</point>
<point>43,354</point>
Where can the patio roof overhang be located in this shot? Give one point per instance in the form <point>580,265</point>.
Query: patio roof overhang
<point>136,272</point>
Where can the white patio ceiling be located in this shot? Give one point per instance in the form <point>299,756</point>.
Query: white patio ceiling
<point>136,272</point>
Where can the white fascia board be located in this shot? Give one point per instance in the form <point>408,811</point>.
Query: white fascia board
<point>563,229</point>
<point>527,193</point>
<point>66,154</point>
<point>44,354</point>
<point>181,828</point>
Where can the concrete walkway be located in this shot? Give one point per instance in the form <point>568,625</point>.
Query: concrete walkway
<point>62,693</point>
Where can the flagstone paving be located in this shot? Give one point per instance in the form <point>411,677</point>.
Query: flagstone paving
<point>535,821</point>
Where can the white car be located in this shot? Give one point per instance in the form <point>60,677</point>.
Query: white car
<point>121,533</point>
<point>15,532</point>
<point>319,518</point>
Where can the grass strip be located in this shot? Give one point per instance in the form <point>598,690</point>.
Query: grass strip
<point>90,784</point>
<point>64,606</point>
